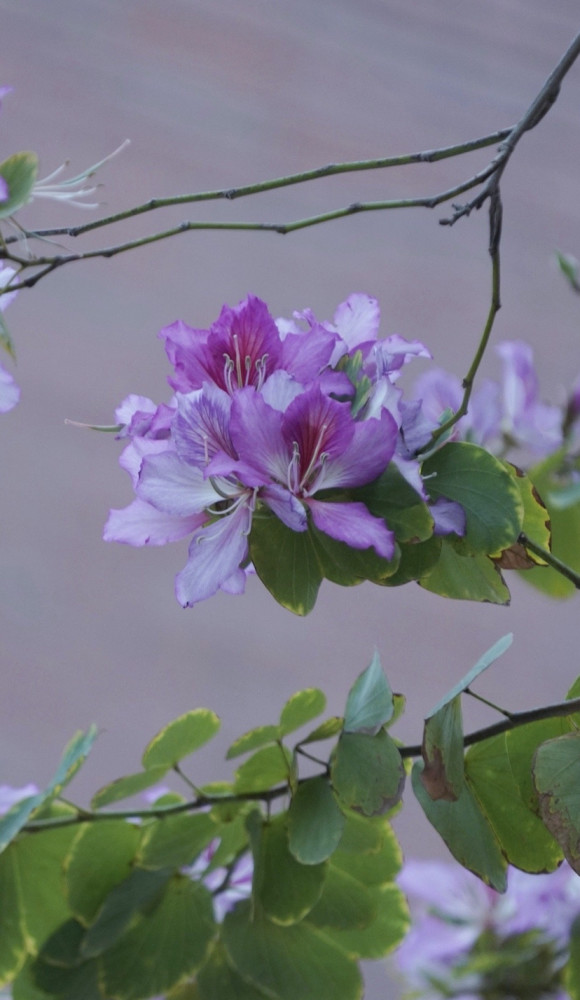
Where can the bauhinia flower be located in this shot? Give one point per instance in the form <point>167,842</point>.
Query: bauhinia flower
<point>262,420</point>
<point>244,347</point>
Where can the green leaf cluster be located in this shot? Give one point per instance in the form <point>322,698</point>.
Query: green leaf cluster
<point>498,501</point>
<point>102,904</point>
<point>512,798</point>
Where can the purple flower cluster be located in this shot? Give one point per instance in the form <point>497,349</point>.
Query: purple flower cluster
<point>456,919</point>
<point>267,414</point>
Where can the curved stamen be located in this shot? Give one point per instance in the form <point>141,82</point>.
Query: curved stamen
<point>315,457</point>
<point>318,482</point>
<point>228,369</point>
<point>261,370</point>
<point>293,469</point>
<point>238,360</point>
<point>248,364</point>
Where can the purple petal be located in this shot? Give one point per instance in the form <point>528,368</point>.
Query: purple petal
<point>6,276</point>
<point>352,523</point>
<point>175,487</point>
<point>4,190</point>
<point>305,354</point>
<point>131,459</point>
<point>201,428</point>
<point>186,350</point>
<point>141,524</point>
<point>285,506</point>
<point>215,554</point>
<point>249,337</point>
<point>393,352</point>
<point>448,516</point>
<point>256,431</point>
<point>280,389</point>
<point>357,320</point>
<point>366,456</point>
<point>9,391</point>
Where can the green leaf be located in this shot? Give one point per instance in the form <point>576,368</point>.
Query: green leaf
<point>569,268</point>
<point>465,577</point>
<point>371,868</point>
<point>289,963</point>
<point>217,980</point>
<point>565,525</point>
<point>164,946</point>
<point>370,701</point>
<point>384,933</point>
<point>393,499</point>
<point>315,822</point>
<point>31,891</point>
<point>572,967</point>
<point>521,745</point>
<point>5,339</point>
<point>417,561</point>
<point>348,566</point>
<point>180,738</point>
<point>176,841</point>
<point>523,837</point>
<point>443,774</point>
<point>19,171</point>
<point>79,982</point>
<point>367,772</point>
<point>286,889</point>
<point>556,771</point>
<point>253,739</point>
<point>131,784</point>
<point>101,856</point>
<point>362,834</point>
<point>487,492</point>
<point>73,756</point>
<point>536,523</point>
<point>325,731</point>
<point>301,708</point>
<point>286,562</point>
<point>490,656</point>
<point>345,903</point>
<point>267,767</point>
<point>233,836</point>
<point>466,831</point>
<point>120,907</point>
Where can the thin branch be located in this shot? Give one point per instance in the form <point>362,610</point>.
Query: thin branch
<point>515,720</point>
<point>495,218</point>
<point>330,170</point>
<point>536,111</point>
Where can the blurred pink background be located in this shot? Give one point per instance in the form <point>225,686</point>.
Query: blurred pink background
<point>214,93</point>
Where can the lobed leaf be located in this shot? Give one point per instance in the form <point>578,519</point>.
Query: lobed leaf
<point>180,738</point>
<point>367,772</point>
<point>315,822</point>
<point>369,705</point>
<point>472,477</point>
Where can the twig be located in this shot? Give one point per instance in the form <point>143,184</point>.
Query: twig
<point>269,795</point>
<point>552,560</point>
<point>330,170</point>
<point>536,111</point>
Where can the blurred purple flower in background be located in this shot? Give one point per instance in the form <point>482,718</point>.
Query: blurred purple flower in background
<point>9,391</point>
<point>467,941</point>
<point>503,415</point>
